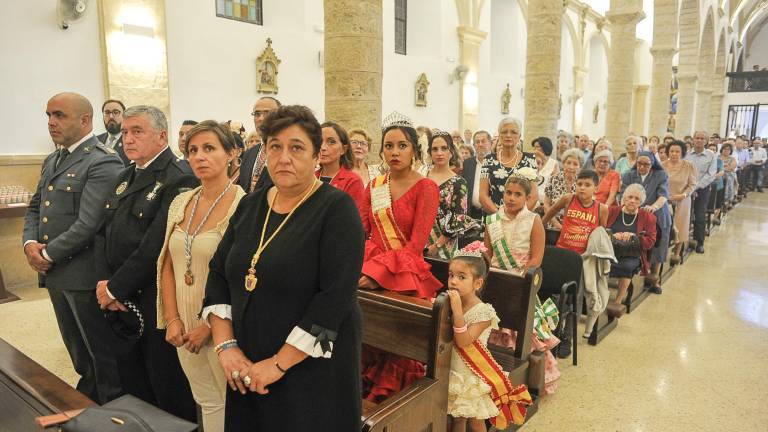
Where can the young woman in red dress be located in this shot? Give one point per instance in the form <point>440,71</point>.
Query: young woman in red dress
<point>398,212</point>
<point>335,160</point>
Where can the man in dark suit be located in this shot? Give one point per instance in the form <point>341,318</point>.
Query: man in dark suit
<point>471,172</point>
<point>59,230</point>
<point>112,110</point>
<point>128,247</point>
<point>253,174</point>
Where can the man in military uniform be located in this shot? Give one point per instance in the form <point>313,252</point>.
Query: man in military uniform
<point>112,110</point>
<point>59,230</point>
<point>128,247</point>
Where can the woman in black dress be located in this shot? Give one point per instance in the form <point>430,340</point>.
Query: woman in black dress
<point>281,295</point>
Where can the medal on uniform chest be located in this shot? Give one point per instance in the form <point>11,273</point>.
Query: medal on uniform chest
<point>153,194</point>
<point>121,188</point>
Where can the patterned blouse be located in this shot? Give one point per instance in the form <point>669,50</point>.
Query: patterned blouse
<point>452,218</point>
<point>497,174</point>
<point>557,188</point>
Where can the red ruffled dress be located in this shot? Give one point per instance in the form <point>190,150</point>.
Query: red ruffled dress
<point>402,270</point>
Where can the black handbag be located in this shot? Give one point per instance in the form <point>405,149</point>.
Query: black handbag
<point>127,414</point>
<point>626,249</point>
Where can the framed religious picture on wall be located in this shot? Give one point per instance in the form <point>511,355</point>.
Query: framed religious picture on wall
<point>266,70</point>
<point>422,87</point>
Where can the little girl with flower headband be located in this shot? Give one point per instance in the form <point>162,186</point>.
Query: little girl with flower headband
<point>477,386</point>
<point>515,237</point>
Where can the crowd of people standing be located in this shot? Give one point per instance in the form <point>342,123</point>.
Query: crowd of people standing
<point>226,276</point>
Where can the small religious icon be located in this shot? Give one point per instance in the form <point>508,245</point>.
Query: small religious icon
<point>595,112</point>
<point>189,278</point>
<point>266,69</point>
<point>506,98</point>
<point>422,87</point>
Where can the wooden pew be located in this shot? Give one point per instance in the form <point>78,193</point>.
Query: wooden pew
<point>27,390</point>
<point>636,293</point>
<point>420,330</point>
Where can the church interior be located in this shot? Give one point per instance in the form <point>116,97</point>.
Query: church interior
<point>577,73</point>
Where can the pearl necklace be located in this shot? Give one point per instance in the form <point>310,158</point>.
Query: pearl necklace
<point>624,221</point>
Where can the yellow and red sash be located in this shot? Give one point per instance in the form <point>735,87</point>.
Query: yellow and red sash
<point>512,401</point>
<point>381,206</point>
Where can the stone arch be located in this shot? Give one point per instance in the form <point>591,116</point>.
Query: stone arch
<point>688,49</point>
<point>587,45</point>
<point>469,12</point>
<point>569,58</point>
<point>705,71</point>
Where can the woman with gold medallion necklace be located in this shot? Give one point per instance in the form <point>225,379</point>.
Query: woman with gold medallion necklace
<point>197,220</point>
<point>281,295</point>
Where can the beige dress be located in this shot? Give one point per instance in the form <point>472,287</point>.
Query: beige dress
<point>682,180</point>
<point>202,370</point>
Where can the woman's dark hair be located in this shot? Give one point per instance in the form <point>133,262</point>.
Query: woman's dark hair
<point>238,141</point>
<point>520,181</point>
<point>221,130</point>
<point>289,115</point>
<point>346,159</point>
<point>545,144</point>
<point>479,265</point>
<point>730,147</point>
<point>410,136</point>
<point>588,174</point>
<point>681,144</point>
<point>451,148</point>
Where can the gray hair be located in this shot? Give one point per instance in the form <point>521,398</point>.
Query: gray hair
<point>637,188</point>
<point>565,135</point>
<point>511,120</point>
<point>154,115</point>
<point>604,153</point>
<point>638,141</point>
<point>574,152</point>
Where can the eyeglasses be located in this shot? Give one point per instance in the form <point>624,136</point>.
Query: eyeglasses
<point>359,143</point>
<point>261,113</point>
<point>114,113</point>
<point>645,164</point>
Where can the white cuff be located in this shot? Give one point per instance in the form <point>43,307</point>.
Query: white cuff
<point>110,294</point>
<point>223,311</point>
<point>28,242</point>
<point>45,255</point>
<point>305,342</point>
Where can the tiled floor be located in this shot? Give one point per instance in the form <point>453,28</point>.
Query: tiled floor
<point>694,358</point>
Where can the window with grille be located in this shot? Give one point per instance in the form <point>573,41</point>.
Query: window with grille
<point>241,10</point>
<point>401,25</point>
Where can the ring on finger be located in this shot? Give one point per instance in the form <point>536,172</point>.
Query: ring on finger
<point>247,380</point>
<point>235,374</point>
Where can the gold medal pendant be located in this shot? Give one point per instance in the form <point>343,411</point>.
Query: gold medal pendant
<point>189,278</point>
<point>250,280</point>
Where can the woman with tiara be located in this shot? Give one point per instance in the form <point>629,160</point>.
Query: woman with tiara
<point>398,212</point>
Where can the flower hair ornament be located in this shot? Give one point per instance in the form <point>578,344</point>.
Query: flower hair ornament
<point>476,249</point>
<point>396,119</point>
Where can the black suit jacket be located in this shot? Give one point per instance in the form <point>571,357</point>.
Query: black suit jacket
<point>246,169</point>
<point>130,240</point>
<point>468,172</point>
<point>118,147</point>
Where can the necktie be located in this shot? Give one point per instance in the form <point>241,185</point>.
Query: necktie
<point>111,141</point>
<point>63,153</point>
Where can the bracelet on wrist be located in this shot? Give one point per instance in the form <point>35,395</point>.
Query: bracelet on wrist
<point>168,324</point>
<point>277,365</point>
<point>462,329</point>
<point>229,343</point>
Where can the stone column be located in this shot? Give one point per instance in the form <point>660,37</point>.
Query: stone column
<point>660,89</point>
<point>624,16</point>
<point>135,78</point>
<point>686,95</point>
<point>715,111</point>
<point>703,100</point>
<point>353,64</point>
<point>470,40</point>
<point>638,111</point>
<point>542,71</point>
<point>579,74</point>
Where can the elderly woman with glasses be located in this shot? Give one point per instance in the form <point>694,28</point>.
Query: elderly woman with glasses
<point>361,146</point>
<point>610,181</point>
<point>649,173</point>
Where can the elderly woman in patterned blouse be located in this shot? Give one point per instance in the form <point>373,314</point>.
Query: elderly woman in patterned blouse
<point>497,167</point>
